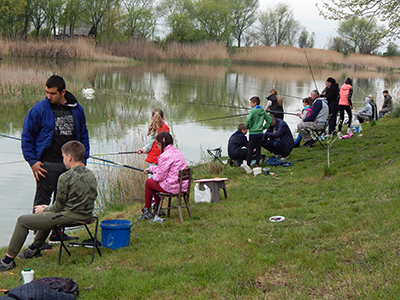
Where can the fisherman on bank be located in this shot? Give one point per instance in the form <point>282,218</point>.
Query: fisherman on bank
<point>387,104</point>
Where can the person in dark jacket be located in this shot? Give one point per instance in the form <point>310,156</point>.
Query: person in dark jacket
<point>274,104</point>
<point>331,93</point>
<point>278,138</point>
<point>387,104</point>
<point>237,145</point>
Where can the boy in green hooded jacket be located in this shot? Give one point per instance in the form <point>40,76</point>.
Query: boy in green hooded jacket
<point>256,126</point>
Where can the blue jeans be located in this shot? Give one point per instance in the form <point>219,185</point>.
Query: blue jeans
<point>273,146</point>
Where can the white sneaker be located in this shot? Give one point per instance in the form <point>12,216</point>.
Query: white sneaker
<point>339,135</point>
<point>349,130</point>
<point>245,167</point>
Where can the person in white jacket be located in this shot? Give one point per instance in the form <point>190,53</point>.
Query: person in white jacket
<point>366,113</point>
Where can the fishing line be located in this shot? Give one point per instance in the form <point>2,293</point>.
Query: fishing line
<point>118,164</point>
<point>10,137</point>
<point>12,162</point>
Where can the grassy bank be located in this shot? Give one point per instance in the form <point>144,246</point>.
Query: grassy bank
<point>340,238</point>
<point>83,49</point>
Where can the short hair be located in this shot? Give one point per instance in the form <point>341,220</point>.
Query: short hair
<point>241,126</point>
<point>315,92</point>
<point>56,81</point>
<point>165,139</point>
<point>349,81</point>
<point>385,91</point>
<point>75,149</point>
<point>272,116</point>
<point>255,100</point>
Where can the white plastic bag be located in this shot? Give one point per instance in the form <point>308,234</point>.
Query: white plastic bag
<point>202,196</point>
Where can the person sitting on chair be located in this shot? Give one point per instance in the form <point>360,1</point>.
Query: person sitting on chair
<point>366,113</point>
<point>237,145</point>
<point>76,194</point>
<point>316,120</point>
<point>387,104</point>
<point>278,138</point>
<point>165,175</point>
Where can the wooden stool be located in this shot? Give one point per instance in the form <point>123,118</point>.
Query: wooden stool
<point>214,184</point>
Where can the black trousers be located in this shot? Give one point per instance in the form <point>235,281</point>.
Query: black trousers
<point>254,144</point>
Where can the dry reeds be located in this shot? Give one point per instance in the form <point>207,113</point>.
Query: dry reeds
<point>136,49</point>
<point>67,49</point>
<point>288,55</point>
<point>202,51</point>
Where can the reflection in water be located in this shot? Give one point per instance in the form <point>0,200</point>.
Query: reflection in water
<point>125,95</point>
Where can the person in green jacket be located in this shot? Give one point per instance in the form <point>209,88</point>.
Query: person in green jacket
<point>76,195</point>
<point>256,126</point>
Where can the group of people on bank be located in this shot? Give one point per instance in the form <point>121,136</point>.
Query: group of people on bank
<point>271,132</point>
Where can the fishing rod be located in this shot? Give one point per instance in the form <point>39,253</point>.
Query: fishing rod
<point>118,164</point>
<point>309,66</point>
<point>217,118</point>
<point>295,97</point>
<point>231,106</point>
<point>12,162</point>
<point>10,137</point>
<point>115,153</point>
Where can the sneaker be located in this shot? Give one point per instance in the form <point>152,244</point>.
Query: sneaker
<point>45,246</point>
<point>54,239</point>
<point>245,167</point>
<point>339,135</point>
<point>146,214</point>
<point>28,253</point>
<point>309,144</point>
<point>6,267</point>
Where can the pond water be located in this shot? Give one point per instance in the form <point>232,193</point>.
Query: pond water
<point>125,95</point>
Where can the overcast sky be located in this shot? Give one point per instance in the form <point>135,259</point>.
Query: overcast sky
<point>307,14</point>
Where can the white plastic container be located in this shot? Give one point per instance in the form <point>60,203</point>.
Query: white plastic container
<point>257,171</point>
<point>27,275</point>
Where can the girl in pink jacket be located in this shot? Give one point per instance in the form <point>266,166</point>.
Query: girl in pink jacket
<point>165,174</point>
<point>345,94</point>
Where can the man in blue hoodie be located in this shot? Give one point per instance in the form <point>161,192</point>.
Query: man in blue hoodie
<point>278,138</point>
<point>49,124</point>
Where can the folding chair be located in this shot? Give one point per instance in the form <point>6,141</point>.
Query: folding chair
<point>60,229</point>
<point>216,154</point>
<point>320,134</point>
<point>184,175</point>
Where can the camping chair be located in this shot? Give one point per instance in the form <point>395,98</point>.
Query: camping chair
<point>60,229</point>
<point>216,154</point>
<point>184,175</point>
<point>320,134</point>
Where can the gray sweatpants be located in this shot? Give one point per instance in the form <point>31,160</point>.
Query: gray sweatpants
<point>42,222</point>
<point>305,127</point>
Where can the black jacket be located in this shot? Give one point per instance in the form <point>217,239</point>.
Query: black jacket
<point>282,132</point>
<point>236,142</point>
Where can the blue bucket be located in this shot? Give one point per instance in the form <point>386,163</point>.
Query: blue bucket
<point>115,233</point>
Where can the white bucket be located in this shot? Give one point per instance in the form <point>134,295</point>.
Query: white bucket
<point>257,171</point>
<point>27,275</point>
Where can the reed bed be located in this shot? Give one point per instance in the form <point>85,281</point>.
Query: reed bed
<point>357,60</point>
<point>201,51</point>
<point>288,55</point>
<point>66,49</point>
<point>137,49</point>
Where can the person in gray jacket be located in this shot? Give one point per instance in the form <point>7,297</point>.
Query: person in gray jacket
<point>366,113</point>
<point>316,120</point>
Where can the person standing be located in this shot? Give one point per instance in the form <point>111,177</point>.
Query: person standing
<point>387,104</point>
<point>274,104</point>
<point>49,124</point>
<point>345,94</point>
<point>331,92</point>
<point>256,126</point>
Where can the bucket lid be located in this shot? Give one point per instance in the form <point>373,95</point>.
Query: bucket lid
<point>115,224</point>
<point>27,269</point>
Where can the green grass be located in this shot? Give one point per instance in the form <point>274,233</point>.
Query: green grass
<point>340,238</point>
